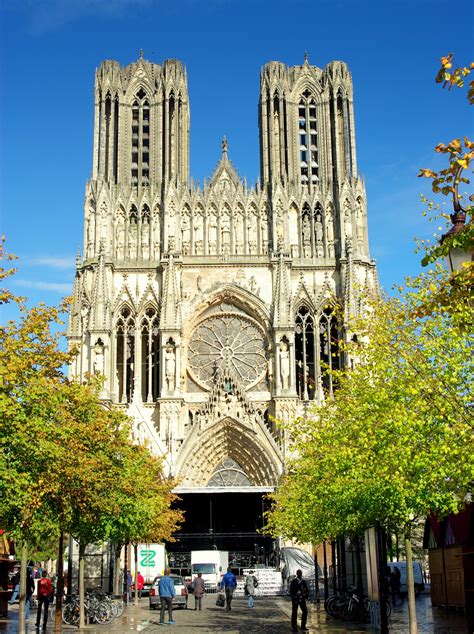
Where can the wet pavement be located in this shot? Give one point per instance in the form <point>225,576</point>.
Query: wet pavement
<point>269,616</point>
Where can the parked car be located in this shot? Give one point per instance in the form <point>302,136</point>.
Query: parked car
<point>145,590</point>
<point>181,593</point>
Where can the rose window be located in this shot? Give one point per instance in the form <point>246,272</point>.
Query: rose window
<point>227,341</point>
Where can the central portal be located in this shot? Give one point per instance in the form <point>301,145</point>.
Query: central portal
<point>223,520</point>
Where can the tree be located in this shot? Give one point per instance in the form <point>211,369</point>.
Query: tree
<point>68,464</point>
<point>29,354</point>
<point>145,498</point>
<point>392,446</point>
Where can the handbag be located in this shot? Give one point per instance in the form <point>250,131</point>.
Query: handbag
<point>220,601</point>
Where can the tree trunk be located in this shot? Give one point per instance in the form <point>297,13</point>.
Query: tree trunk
<point>410,585</point>
<point>135,555</point>
<point>23,573</point>
<point>118,550</point>
<point>82,620</point>
<point>60,585</point>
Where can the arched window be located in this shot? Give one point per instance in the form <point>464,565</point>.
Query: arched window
<point>229,474</point>
<point>328,347</point>
<point>141,139</point>
<point>133,215</point>
<point>116,135</point>
<point>125,354</point>
<point>316,351</point>
<point>305,354</point>
<point>108,110</point>
<point>308,138</point>
<point>150,356</point>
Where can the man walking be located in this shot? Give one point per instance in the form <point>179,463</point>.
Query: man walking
<point>299,593</point>
<point>167,592</point>
<point>198,584</point>
<point>45,588</point>
<point>228,584</point>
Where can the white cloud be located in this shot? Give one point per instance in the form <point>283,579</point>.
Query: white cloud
<point>48,15</point>
<point>56,287</point>
<point>56,263</point>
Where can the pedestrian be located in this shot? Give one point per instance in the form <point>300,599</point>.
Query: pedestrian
<point>30,589</point>
<point>129,585</point>
<point>45,588</point>
<point>167,592</point>
<point>228,584</point>
<point>16,587</point>
<point>249,587</point>
<point>140,584</point>
<point>299,593</point>
<point>198,585</point>
<point>395,584</point>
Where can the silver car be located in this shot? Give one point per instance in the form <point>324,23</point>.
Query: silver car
<point>180,599</point>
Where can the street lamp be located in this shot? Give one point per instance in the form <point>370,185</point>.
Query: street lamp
<point>456,255</point>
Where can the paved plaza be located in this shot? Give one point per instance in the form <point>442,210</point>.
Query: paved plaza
<point>269,616</point>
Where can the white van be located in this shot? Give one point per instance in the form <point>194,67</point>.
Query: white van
<point>417,574</point>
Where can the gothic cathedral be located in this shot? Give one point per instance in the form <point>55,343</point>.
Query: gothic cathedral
<point>210,309</point>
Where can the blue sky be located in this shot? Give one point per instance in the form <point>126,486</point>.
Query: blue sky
<point>50,49</point>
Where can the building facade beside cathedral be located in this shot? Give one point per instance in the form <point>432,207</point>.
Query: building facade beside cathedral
<point>210,310</point>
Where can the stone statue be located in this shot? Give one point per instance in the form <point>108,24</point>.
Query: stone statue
<point>132,240</point>
<point>99,358</point>
<point>360,226</point>
<point>170,366</point>
<point>198,233</point>
<point>264,232</point>
<point>279,220</point>
<point>120,237</point>
<point>225,233</point>
<point>91,228</point>
<point>185,234</point>
<point>318,230</point>
<point>212,234</point>
<point>330,230</point>
<point>284,364</point>
<point>156,229</point>
<point>347,221</point>
<point>251,231</point>
<point>145,240</point>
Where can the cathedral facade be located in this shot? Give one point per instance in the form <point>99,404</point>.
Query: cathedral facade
<point>210,309</point>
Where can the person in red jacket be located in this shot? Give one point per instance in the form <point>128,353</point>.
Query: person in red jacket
<point>45,589</point>
<point>140,583</point>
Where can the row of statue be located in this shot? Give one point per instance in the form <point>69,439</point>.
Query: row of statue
<point>139,236</point>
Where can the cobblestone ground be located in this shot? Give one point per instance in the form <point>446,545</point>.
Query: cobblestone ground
<point>269,616</point>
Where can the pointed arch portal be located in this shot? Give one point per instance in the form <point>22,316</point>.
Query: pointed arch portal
<point>227,472</point>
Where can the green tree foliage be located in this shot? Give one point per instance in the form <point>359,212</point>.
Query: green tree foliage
<point>67,464</point>
<point>394,442</point>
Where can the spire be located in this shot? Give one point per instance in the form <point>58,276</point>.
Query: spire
<point>74,319</point>
<point>225,147</point>
<point>281,313</point>
<point>350,306</point>
<point>306,61</point>
<point>141,55</point>
<point>100,300</point>
<point>171,313</point>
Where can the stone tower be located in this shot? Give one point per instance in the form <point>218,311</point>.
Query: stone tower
<point>210,309</point>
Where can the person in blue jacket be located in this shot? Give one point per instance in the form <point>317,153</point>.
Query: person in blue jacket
<point>167,592</point>
<point>228,584</point>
